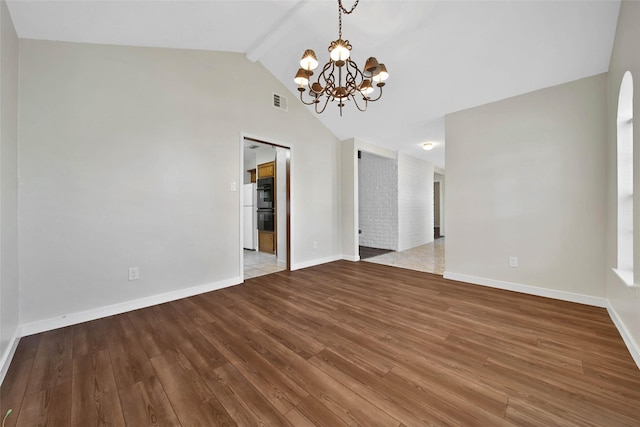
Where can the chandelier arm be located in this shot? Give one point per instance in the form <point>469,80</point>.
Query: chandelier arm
<point>378,97</point>
<point>356,76</point>
<point>326,102</point>
<point>302,99</point>
<point>329,79</point>
<point>353,79</point>
<point>307,103</point>
<point>366,104</point>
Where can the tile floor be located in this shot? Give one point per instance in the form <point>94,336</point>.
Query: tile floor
<point>428,258</point>
<point>260,263</point>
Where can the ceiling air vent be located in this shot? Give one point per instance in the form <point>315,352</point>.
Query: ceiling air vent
<point>279,102</point>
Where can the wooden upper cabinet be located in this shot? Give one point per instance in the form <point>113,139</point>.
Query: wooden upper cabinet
<point>252,172</point>
<point>266,170</point>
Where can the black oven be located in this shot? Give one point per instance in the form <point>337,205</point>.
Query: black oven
<point>265,191</point>
<point>265,204</point>
<point>266,220</point>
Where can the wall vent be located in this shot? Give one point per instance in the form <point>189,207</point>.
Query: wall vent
<point>279,102</point>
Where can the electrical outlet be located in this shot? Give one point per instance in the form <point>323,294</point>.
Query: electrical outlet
<point>134,273</point>
<point>315,245</point>
<point>233,187</point>
<point>513,261</point>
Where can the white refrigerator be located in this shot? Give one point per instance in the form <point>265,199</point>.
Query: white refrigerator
<point>249,215</point>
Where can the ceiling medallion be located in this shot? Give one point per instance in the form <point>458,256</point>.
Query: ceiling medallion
<point>340,79</point>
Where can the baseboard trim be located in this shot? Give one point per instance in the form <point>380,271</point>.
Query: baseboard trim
<point>8,354</point>
<point>632,345</point>
<point>110,310</point>
<point>314,262</point>
<point>354,258</point>
<point>528,289</point>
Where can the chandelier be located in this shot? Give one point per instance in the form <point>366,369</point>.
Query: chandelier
<point>340,79</point>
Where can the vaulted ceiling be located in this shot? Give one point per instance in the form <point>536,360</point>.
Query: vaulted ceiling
<point>442,56</point>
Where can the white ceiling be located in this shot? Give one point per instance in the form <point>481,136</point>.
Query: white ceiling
<point>442,56</point>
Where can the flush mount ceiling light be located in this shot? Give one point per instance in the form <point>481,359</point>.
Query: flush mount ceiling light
<point>427,146</point>
<point>340,79</point>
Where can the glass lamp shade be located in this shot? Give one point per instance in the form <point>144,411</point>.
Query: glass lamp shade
<point>317,88</point>
<point>339,50</point>
<point>366,88</point>
<point>381,74</point>
<point>301,77</point>
<point>309,60</point>
<point>371,66</point>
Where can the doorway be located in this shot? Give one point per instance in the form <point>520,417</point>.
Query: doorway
<point>427,257</point>
<point>266,209</point>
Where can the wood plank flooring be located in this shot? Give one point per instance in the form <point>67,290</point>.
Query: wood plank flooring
<point>338,344</point>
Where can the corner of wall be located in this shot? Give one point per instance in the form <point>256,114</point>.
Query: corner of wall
<point>627,336</point>
<point>7,356</point>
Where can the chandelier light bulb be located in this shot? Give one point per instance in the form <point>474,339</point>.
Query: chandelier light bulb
<point>339,50</point>
<point>366,88</point>
<point>309,60</point>
<point>381,75</point>
<point>301,78</point>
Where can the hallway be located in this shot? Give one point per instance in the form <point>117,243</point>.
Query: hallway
<point>428,258</point>
<point>260,263</point>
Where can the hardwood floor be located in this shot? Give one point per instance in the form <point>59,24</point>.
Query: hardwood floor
<point>337,344</point>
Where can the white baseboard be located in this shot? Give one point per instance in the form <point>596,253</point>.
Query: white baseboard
<point>631,344</point>
<point>110,310</point>
<point>354,258</point>
<point>306,264</point>
<point>528,289</point>
<point>8,354</point>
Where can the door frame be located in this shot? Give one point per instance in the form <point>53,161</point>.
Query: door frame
<point>262,140</point>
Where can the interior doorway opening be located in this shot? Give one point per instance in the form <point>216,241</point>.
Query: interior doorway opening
<point>377,204</point>
<point>266,220</point>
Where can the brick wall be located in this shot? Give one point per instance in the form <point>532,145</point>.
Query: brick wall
<point>378,201</point>
<point>415,202</point>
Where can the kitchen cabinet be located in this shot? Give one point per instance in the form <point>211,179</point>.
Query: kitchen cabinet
<point>267,170</point>
<point>267,242</point>
<point>252,172</point>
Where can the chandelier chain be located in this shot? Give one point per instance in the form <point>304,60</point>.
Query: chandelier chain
<point>342,9</point>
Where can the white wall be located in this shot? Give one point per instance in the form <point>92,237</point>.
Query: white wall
<point>349,200</point>
<point>624,301</point>
<point>9,284</point>
<point>526,178</point>
<point>249,163</point>
<point>265,154</point>
<point>377,201</point>
<point>126,159</point>
<point>415,202</point>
